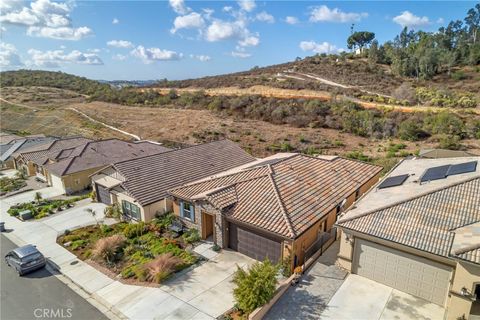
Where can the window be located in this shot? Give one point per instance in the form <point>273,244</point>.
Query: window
<point>131,210</point>
<point>357,194</point>
<point>77,181</point>
<point>187,211</point>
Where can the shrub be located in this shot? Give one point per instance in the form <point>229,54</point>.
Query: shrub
<point>161,267</point>
<point>191,236</point>
<point>255,287</point>
<point>165,221</point>
<point>112,211</point>
<point>108,248</point>
<point>133,230</point>
<point>451,142</point>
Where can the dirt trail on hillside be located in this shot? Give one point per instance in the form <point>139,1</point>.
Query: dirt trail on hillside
<point>279,93</point>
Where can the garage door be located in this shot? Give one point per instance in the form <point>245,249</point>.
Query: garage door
<point>57,183</point>
<point>405,272</point>
<point>103,195</point>
<point>253,245</point>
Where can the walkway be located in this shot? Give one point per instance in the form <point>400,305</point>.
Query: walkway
<point>203,292</point>
<point>309,298</point>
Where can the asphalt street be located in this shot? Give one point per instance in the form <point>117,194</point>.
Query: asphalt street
<point>39,295</point>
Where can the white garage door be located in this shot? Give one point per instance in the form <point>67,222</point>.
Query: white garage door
<point>57,183</point>
<point>405,272</point>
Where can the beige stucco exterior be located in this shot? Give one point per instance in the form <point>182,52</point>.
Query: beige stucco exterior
<point>464,274</point>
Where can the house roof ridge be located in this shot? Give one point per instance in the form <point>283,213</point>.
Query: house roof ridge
<point>396,203</point>
<point>173,150</point>
<point>194,183</point>
<point>233,184</point>
<point>467,248</point>
<point>282,206</point>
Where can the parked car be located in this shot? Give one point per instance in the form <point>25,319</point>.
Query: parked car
<point>25,259</point>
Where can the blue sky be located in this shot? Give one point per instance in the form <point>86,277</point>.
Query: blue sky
<point>177,39</point>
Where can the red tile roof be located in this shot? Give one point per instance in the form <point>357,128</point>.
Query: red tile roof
<point>285,197</point>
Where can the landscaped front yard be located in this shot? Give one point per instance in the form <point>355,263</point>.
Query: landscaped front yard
<point>139,252</point>
<point>41,208</point>
<point>11,184</point>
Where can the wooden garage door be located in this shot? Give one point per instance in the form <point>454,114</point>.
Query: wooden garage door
<point>103,195</point>
<point>402,271</point>
<point>253,245</point>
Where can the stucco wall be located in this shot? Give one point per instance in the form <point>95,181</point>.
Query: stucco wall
<point>466,275</point>
<point>159,207</point>
<point>78,181</point>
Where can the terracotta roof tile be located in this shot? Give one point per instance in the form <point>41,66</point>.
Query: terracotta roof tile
<point>424,222</point>
<point>147,179</point>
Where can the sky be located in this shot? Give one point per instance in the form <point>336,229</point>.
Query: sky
<point>181,39</point>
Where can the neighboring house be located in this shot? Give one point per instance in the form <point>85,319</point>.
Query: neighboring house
<point>139,187</point>
<point>31,160</point>
<point>278,208</point>
<point>443,153</point>
<point>418,231</point>
<point>71,168</point>
<point>6,138</point>
<point>16,144</point>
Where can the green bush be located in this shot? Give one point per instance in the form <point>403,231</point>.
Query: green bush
<point>255,287</point>
<point>450,142</point>
<point>191,236</point>
<point>133,230</point>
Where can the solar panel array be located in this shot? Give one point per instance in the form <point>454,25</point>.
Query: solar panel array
<point>442,172</point>
<point>393,181</point>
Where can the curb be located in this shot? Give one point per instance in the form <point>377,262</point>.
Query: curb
<point>101,304</point>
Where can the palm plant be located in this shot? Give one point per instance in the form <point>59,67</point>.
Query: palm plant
<point>38,197</point>
<point>93,213</point>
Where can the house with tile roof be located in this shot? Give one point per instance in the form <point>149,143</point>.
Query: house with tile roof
<point>418,231</point>
<point>139,186</point>
<point>11,144</point>
<point>282,208</point>
<point>69,169</point>
<point>31,159</point>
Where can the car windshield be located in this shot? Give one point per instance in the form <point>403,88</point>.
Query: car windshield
<point>32,256</point>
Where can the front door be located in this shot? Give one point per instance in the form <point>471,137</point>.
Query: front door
<point>207,225</point>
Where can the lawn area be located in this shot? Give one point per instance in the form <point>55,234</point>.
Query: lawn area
<point>140,252</point>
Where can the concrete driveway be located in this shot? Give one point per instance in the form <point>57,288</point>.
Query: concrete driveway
<point>76,217</point>
<point>28,196</point>
<point>361,298</point>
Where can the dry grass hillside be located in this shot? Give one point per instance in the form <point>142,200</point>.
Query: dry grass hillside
<point>48,114</point>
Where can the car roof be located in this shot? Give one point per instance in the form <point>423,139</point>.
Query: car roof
<point>25,250</point>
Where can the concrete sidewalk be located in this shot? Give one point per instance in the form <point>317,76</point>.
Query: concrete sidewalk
<point>204,292</point>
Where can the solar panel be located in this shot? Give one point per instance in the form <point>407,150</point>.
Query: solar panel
<point>435,173</point>
<point>462,168</point>
<point>393,181</point>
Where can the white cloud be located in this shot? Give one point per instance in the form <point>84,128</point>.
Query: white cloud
<point>56,58</point>
<point>265,17</point>
<point>120,44</point>
<point>115,21</point>
<point>23,17</point>
<point>440,20</point>
<point>408,19</point>
<point>247,5</point>
<point>9,57</point>
<point>63,33</point>
<point>323,47</point>
<point>190,21</point>
<point>44,19</point>
<point>242,55</point>
<point>291,20</point>
<point>249,41</point>
<point>201,57</point>
<point>179,6</point>
<point>221,30</point>
<point>150,55</point>
<point>119,57</point>
<point>325,14</point>
<point>227,9</point>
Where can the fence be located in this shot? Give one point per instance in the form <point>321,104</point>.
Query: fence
<point>318,245</point>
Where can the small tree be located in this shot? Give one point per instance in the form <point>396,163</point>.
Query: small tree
<point>93,213</point>
<point>255,287</point>
<point>38,197</point>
